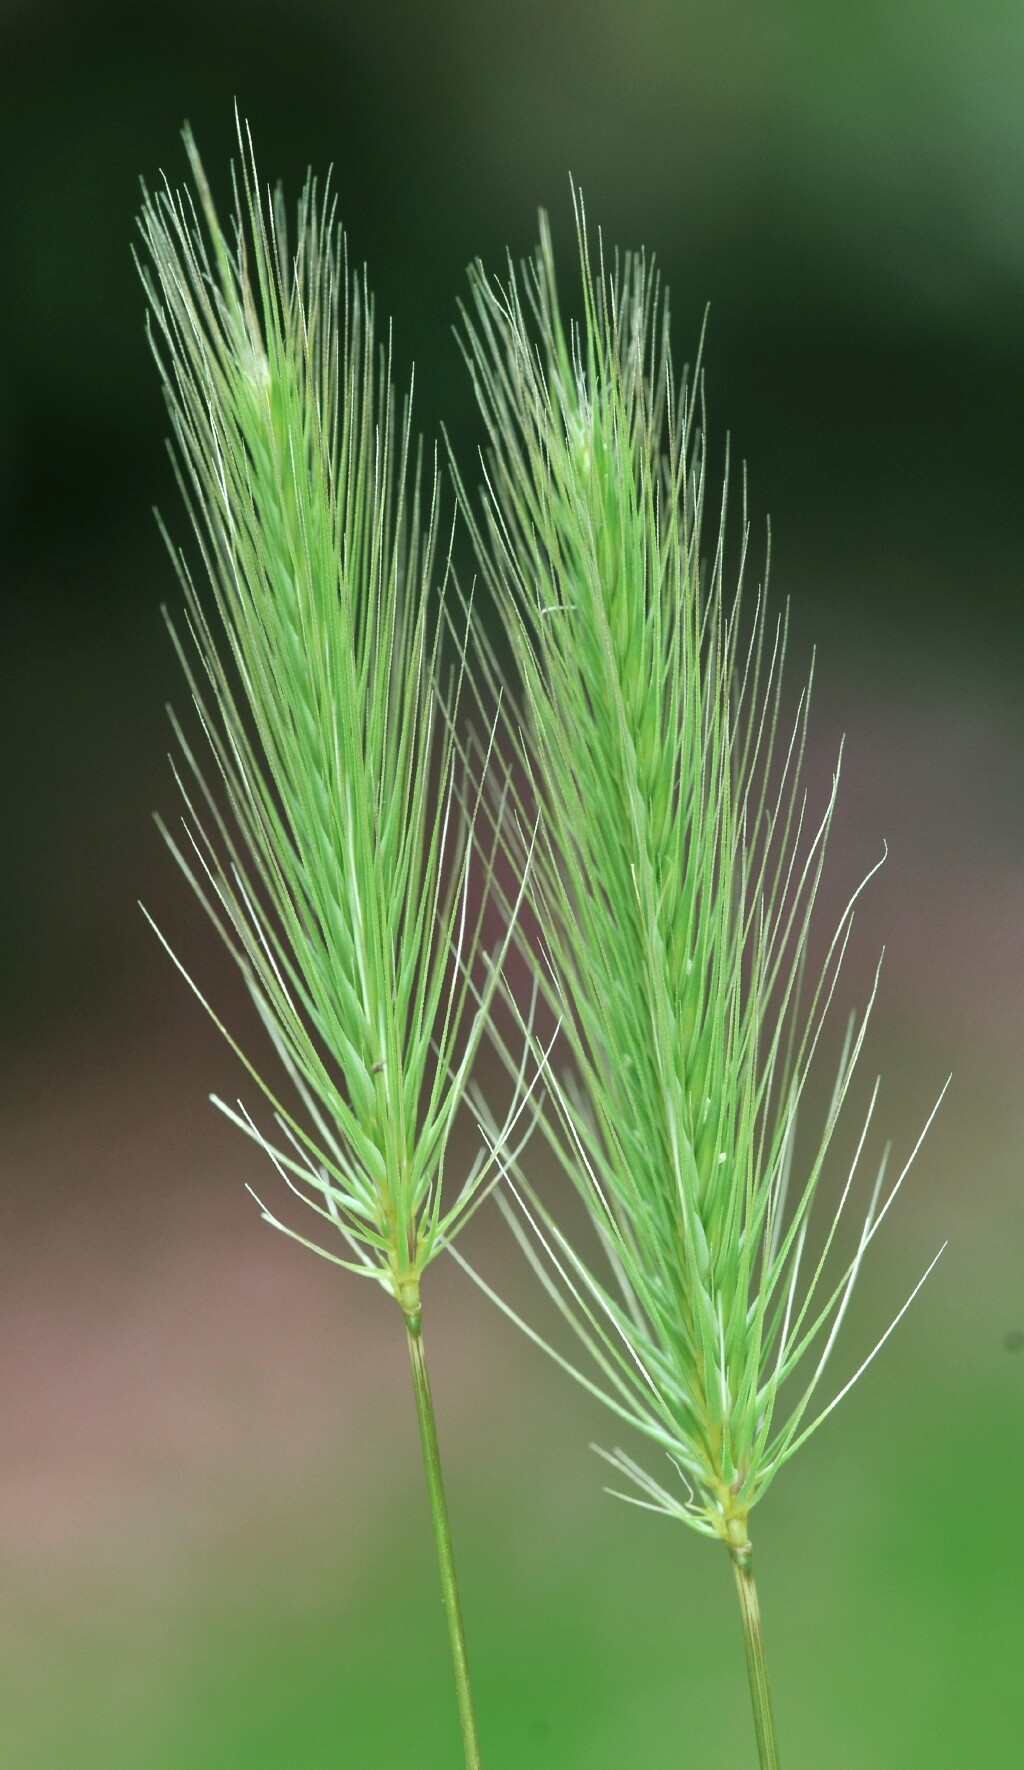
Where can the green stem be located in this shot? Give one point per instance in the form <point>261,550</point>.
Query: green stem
<point>757,1669</point>
<point>443,1540</point>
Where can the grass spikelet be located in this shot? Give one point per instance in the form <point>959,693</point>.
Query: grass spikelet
<point>324,832</point>
<point>327,842</point>
<point>673,883</point>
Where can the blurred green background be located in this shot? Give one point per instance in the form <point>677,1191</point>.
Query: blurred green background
<point>213,1544</point>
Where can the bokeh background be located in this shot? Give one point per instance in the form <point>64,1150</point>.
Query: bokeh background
<point>213,1543</point>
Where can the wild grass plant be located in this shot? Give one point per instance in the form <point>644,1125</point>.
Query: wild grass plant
<point>649,813</point>
<point>670,892</point>
<point>324,832</point>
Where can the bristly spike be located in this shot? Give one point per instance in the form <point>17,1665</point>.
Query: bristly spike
<point>321,842</point>
<point>331,842</point>
<point>672,882</point>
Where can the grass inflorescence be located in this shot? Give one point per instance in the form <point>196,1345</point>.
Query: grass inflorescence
<point>325,832</point>
<point>672,887</point>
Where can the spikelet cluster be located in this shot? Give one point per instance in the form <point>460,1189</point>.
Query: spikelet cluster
<point>672,885</point>
<point>322,832</point>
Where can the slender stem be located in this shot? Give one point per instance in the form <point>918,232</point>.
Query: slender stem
<point>443,1540</point>
<point>757,1669</point>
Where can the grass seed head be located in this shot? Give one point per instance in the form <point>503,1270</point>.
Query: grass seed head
<point>673,883</point>
<point>324,832</point>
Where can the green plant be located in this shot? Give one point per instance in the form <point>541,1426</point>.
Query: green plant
<point>672,886</point>
<point>650,806</point>
<point>330,846</point>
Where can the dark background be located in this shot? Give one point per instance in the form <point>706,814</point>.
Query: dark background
<point>210,1514</point>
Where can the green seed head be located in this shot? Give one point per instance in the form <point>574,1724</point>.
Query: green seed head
<point>328,842</point>
<point>673,884</point>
